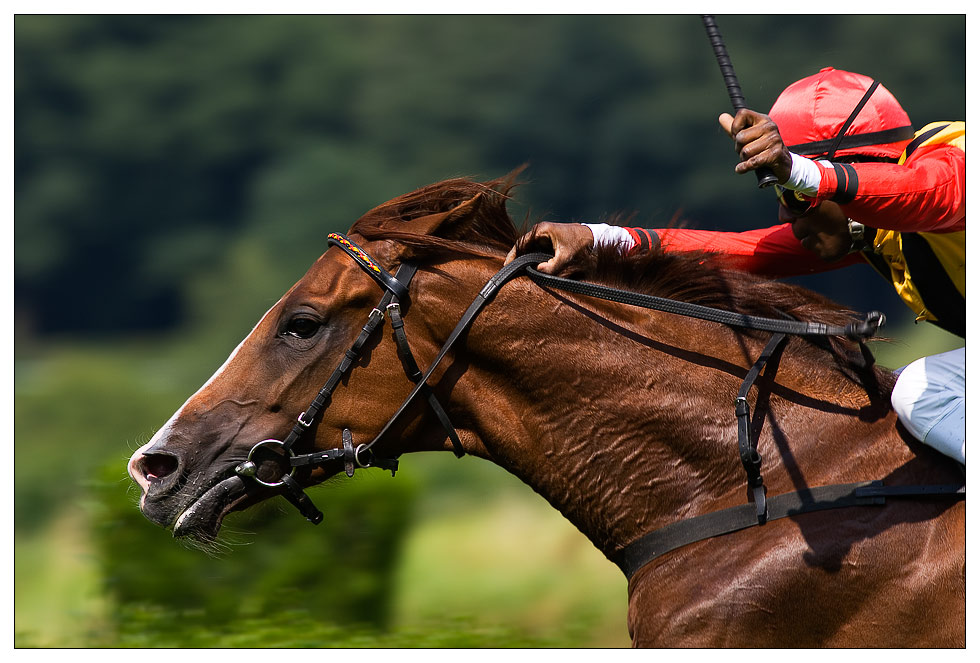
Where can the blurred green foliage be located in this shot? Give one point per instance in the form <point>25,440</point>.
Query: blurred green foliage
<point>341,570</point>
<point>78,409</point>
<point>174,175</point>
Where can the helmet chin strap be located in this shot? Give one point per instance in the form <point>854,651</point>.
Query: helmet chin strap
<point>850,120</point>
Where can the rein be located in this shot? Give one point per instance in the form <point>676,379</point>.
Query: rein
<point>648,547</point>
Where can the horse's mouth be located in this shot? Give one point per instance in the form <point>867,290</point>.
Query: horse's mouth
<point>192,503</point>
<point>202,518</point>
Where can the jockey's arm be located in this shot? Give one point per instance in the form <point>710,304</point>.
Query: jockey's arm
<point>773,251</point>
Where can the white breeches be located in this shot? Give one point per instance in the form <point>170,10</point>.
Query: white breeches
<point>930,399</point>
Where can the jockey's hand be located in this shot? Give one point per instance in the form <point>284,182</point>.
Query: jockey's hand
<point>822,230</point>
<point>758,143</point>
<point>570,242</point>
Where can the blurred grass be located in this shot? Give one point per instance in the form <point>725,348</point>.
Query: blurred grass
<point>504,572</point>
<point>487,564</point>
<point>58,599</point>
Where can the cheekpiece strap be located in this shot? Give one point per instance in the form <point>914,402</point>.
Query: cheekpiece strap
<point>367,263</point>
<point>294,493</point>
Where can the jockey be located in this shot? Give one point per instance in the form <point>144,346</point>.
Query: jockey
<point>857,184</point>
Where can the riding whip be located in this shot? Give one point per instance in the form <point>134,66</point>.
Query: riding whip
<point>765,175</point>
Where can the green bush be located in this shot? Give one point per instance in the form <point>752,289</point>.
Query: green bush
<point>272,561</point>
<point>74,408</point>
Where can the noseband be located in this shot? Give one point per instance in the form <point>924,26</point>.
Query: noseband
<point>395,290</point>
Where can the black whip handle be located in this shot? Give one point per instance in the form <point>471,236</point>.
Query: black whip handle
<point>766,177</point>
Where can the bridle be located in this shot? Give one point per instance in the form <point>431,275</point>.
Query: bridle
<point>637,554</point>
<point>362,456</point>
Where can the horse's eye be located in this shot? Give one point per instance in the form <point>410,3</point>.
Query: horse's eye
<point>302,327</point>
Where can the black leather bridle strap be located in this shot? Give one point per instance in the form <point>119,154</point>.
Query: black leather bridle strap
<point>363,455</point>
<point>747,451</point>
<point>294,493</point>
<point>497,281</point>
<point>322,399</point>
<point>649,547</point>
<point>388,303</point>
<point>402,278</point>
<point>415,375</point>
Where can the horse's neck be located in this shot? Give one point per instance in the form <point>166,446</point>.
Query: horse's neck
<point>622,421</point>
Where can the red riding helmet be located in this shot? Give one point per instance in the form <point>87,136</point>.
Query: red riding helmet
<point>838,113</point>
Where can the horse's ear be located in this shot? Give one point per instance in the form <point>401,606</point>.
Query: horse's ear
<point>446,224</point>
<point>442,224</point>
<point>463,211</point>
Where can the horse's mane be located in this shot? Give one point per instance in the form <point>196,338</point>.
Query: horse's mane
<point>691,277</point>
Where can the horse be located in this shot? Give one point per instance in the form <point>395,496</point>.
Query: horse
<point>620,417</point>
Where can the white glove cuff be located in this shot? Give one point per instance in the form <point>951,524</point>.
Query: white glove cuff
<point>805,175</point>
<point>603,235</point>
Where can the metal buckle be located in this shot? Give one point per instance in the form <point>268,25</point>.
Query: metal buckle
<point>357,456</point>
<point>250,469</point>
<point>741,406</point>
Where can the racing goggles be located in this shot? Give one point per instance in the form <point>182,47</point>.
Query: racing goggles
<point>795,202</point>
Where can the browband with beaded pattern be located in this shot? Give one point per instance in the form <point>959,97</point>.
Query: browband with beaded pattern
<point>375,271</point>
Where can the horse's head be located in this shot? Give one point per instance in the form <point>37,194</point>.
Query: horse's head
<point>191,472</point>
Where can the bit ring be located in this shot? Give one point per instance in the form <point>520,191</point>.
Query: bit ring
<point>249,467</point>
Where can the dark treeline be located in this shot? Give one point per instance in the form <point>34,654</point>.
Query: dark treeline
<point>153,153</point>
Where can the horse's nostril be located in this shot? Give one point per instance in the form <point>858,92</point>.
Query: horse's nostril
<point>157,466</point>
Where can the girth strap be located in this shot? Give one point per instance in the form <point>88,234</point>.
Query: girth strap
<point>649,547</point>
